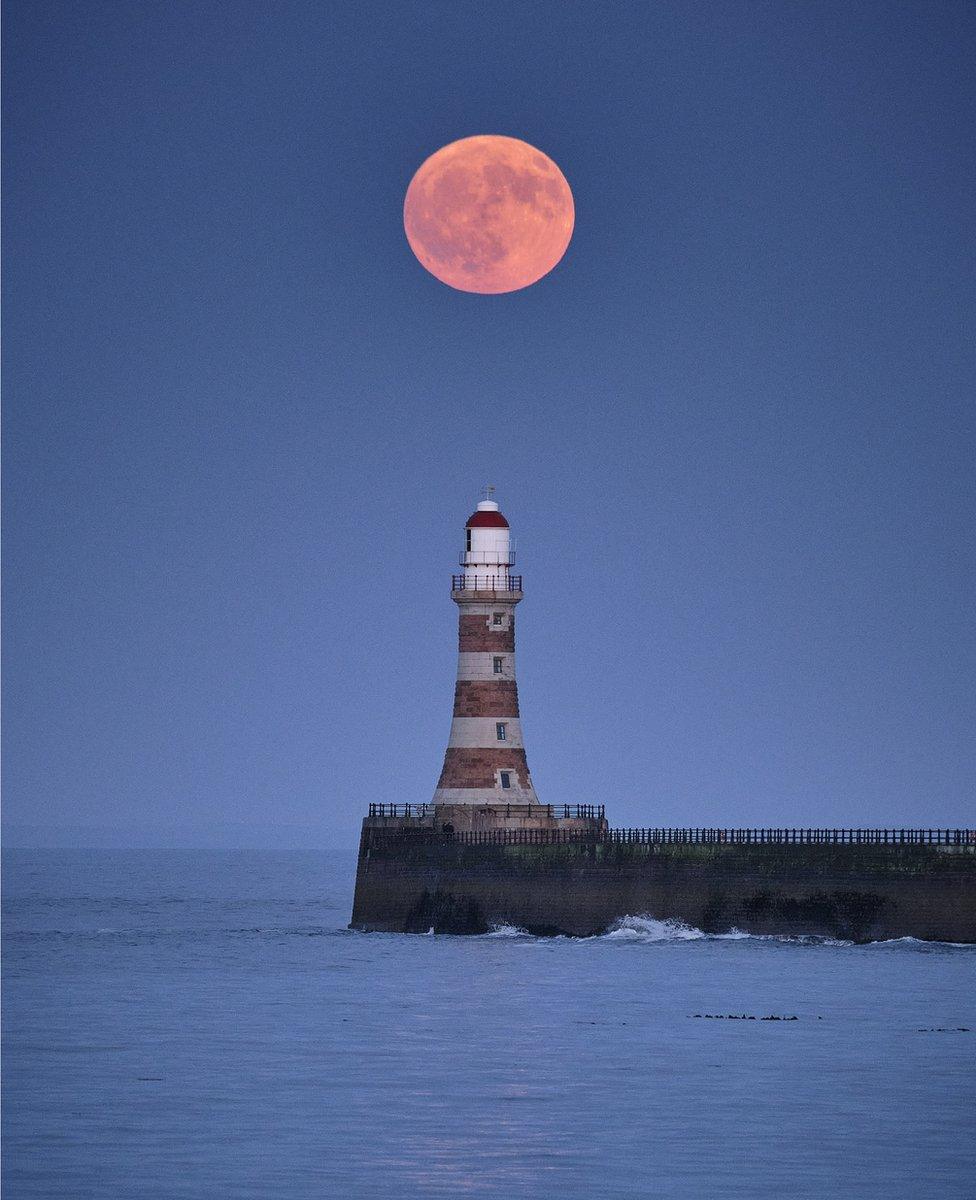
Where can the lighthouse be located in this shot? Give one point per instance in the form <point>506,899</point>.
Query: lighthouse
<point>485,790</point>
<point>485,761</point>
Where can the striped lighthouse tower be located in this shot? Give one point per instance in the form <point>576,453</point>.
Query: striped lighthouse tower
<point>485,759</point>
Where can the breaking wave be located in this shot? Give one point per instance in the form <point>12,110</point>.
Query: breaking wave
<point>643,929</point>
<point>652,929</point>
<point>647,929</point>
<point>921,944</point>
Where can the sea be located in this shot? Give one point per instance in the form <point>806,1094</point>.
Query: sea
<point>203,1025</point>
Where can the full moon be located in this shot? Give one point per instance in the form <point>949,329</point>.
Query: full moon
<point>488,214</point>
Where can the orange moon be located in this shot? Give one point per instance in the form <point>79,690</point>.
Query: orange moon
<point>488,214</point>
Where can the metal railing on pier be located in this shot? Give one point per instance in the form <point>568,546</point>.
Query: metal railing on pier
<point>666,837</point>
<point>797,837</point>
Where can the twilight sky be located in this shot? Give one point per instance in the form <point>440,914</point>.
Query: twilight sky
<point>734,430</point>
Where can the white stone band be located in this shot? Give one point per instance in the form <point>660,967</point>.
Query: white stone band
<point>476,665</point>
<point>505,607</point>
<point>498,795</point>
<point>482,732</point>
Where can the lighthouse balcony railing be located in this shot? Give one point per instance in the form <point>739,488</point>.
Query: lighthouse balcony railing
<point>476,582</point>
<point>401,810</point>
<point>486,558</point>
<point>591,812</point>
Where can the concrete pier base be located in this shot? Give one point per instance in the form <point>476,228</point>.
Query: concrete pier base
<point>862,893</point>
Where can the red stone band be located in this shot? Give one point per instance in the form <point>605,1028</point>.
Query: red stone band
<point>465,767</point>
<point>475,634</point>
<point>486,698</point>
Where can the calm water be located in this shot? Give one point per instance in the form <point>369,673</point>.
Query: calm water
<point>201,1024</point>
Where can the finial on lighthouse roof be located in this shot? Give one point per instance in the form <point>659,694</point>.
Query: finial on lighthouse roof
<point>487,513</point>
<point>487,503</point>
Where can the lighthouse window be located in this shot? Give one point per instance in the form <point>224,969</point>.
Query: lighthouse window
<point>500,731</point>
<point>506,778</point>
<point>497,664</point>
<point>497,618</point>
<point>468,540</point>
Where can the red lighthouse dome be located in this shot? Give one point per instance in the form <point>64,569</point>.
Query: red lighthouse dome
<point>486,518</point>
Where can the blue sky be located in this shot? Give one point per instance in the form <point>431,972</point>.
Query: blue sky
<point>733,430</point>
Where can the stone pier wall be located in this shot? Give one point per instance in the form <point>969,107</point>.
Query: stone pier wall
<point>863,893</point>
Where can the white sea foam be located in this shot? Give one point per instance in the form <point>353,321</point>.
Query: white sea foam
<point>809,939</point>
<point>922,944</point>
<point>651,929</point>
<point>648,929</point>
<point>641,928</point>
